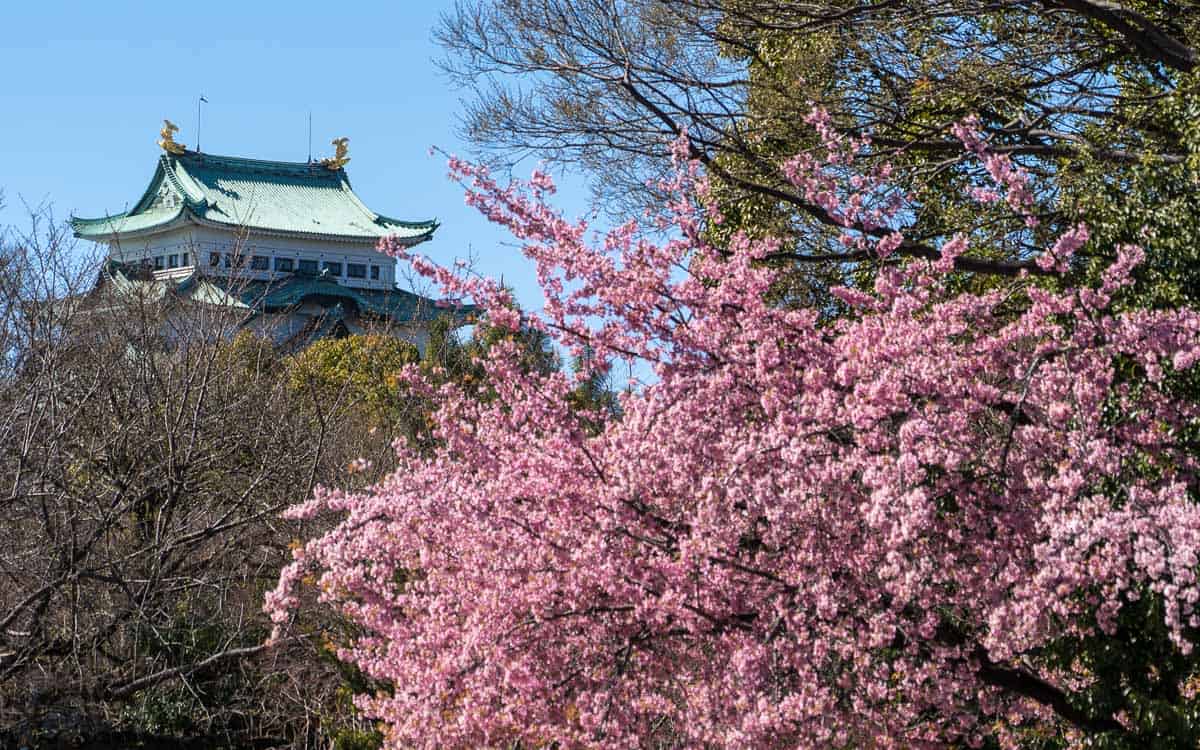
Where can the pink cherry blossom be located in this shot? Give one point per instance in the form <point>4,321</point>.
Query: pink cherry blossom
<point>802,533</point>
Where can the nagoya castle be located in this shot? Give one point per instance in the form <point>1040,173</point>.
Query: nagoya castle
<point>287,246</point>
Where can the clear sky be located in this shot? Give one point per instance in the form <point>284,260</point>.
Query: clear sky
<point>84,88</point>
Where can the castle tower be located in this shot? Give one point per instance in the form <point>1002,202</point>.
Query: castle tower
<point>284,239</point>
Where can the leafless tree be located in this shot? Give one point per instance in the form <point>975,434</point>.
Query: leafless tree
<point>146,451</point>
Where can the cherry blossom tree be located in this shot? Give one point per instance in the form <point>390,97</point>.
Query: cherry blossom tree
<point>915,525</point>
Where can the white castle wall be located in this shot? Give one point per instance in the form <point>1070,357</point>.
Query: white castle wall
<point>201,243</point>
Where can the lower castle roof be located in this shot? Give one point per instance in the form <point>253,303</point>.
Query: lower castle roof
<point>287,293</point>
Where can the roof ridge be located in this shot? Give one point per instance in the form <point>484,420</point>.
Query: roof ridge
<point>314,167</point>
<point>422,224</point>
<point>193,204</point>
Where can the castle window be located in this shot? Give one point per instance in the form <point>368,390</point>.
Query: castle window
<point>356,270</point>
<point>334,269</point>
<point>158,261</point>
<point>374,273</point>
<point>183,259</point>
<point>214,259</point>
<point>308,266</point>
<point>172,261</point>
<point>285,265</point>
<point>260,263</point>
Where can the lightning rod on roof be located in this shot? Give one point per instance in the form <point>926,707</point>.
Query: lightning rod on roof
<point>199,101</point>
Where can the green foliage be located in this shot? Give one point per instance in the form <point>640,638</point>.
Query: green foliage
<point>247,354</point>
<point>1119,152</point>
<point>449,359</point>
<point>594,395</point>
<point>165,711</point>
<point>1154,202</point>
<point>1140,676</point>
<point>358,369</point>
<point>357,739</point>
<point>538,353</point>
<point>342,725</point>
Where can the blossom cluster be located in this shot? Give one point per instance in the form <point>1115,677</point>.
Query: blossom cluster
<point>1007,175</point>
<point>802,533</point>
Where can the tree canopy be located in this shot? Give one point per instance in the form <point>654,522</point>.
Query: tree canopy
<point>947,517</point>
<point>1095,101</point>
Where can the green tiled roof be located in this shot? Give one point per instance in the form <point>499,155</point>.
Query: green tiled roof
<point>397,304</point>
<point>276,296</point>
<point>290,198</point>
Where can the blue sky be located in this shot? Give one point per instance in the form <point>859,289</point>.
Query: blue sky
<point>84,88</point>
